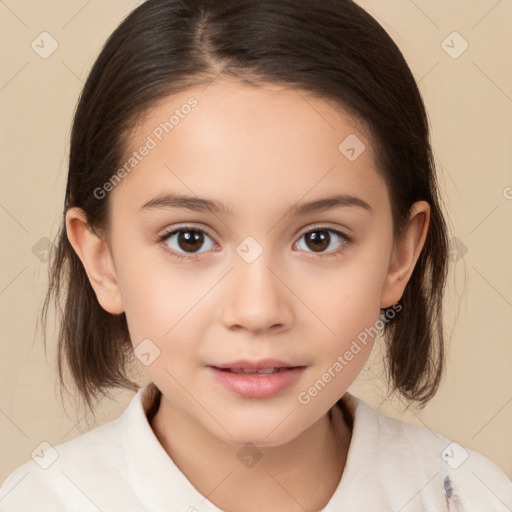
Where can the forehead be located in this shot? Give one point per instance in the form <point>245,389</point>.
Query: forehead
<point>244,109</point>
<point>239,142</point>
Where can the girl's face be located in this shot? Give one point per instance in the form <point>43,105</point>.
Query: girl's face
<point>285,253</point>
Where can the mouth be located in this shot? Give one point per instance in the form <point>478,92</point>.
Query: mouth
<point>263,365</point>
<point>260,371</point>
<point>256,379</point>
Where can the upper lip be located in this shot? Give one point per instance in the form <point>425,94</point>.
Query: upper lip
<point>256,365</point>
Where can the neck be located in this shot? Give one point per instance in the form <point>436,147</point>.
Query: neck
<point>301,474</point>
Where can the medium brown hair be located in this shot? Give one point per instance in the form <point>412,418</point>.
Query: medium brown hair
<point>331,48</point>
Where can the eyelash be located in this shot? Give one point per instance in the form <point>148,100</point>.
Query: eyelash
<point>166,235</point>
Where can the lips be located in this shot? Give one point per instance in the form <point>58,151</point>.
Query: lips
<point>261,371</point>
<point>256,379</point>
<point>261,366</point>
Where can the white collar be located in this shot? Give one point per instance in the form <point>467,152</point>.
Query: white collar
<point>165,484</point>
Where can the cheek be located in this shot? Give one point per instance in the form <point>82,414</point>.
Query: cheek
<point>353,320</point>
<point>348,306</point>
<point>164,305</point>
<point>347,299</point>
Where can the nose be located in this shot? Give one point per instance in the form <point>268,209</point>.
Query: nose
<point>256,297</point>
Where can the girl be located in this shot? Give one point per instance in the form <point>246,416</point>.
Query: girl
<point>251,199</point>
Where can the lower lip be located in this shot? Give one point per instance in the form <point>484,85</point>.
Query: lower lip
<point>257,386</point>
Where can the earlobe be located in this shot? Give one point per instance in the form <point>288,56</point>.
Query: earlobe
<point>406,252</point>
<point>96,258</point>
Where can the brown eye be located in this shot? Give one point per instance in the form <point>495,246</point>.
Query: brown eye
<point>190,241</point>
<point>318,241</point>
<point>186,240</point>
<point>322,240</point>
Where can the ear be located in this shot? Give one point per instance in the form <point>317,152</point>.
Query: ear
<point>97,260</point>
<point>406,252</point>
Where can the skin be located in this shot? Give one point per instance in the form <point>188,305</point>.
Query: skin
<point>260,151</point>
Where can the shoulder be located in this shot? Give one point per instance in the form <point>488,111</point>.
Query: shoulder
<point>75,472</point>
<point>433,469</point>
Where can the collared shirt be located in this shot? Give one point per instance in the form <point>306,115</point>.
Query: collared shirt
<point>122,467</point>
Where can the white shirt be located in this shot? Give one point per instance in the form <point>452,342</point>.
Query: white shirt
<point>122,467</point>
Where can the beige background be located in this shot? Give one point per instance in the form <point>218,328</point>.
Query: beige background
<point>469,100</point>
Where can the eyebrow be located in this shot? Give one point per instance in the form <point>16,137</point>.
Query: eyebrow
<point>199,204</point>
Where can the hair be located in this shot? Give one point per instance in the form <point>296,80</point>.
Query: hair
<point>332,49</point>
